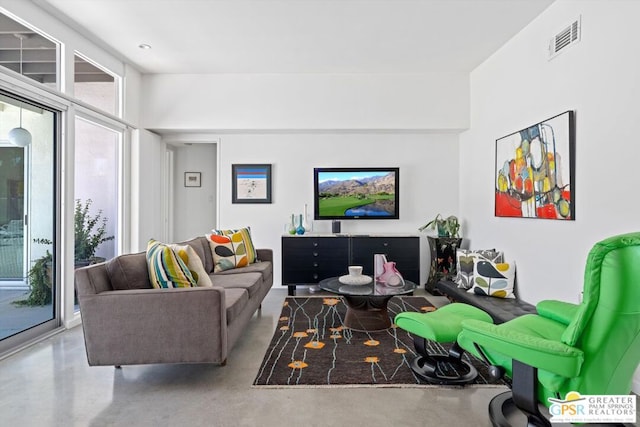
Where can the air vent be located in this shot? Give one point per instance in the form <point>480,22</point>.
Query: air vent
<point>565,38</point>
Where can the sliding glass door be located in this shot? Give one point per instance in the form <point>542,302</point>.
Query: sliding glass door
<point>29,294</point>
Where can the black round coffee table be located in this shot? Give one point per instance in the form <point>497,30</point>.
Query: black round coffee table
<point>366,304</point>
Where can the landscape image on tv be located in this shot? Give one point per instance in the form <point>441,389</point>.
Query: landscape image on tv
<point>356,194</point>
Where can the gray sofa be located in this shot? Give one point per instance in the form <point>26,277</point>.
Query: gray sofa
<point>127,322</point>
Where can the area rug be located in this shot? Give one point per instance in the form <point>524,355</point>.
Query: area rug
<point>312,348</point>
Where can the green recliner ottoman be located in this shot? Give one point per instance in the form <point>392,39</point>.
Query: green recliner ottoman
<point>442,326</point>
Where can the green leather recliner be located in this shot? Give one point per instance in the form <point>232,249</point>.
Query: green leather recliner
<point>592,348</point>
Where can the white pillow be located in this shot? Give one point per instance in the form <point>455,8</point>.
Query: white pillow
<point>494,279</point>
<point>193,262</point>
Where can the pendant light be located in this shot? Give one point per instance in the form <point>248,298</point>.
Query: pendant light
<point>20,136</point>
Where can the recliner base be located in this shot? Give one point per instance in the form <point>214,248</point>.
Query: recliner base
<point>502,407</point>
<point>431,369</point>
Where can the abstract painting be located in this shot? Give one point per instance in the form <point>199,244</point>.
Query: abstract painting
<point>251,183</point>
<point>534,171</point>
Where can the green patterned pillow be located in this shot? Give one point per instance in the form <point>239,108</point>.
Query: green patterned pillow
<point>166,269</point>
<point>243,243</point>
<point>193,262</point>
<point>466,259</point>
<point>494,279</point>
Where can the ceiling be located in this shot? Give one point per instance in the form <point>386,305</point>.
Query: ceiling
<point>299,36</point>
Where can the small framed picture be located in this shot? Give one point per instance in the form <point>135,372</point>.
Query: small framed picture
<point>251,183</point>
<point>192,179</point>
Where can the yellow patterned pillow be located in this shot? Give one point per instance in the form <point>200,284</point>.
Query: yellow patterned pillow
<point>193,262</point>
<point>242,240</point>
<point>231,251</point>
<point>166,269</point>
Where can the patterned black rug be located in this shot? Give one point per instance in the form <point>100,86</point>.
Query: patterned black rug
<point>311,348</point>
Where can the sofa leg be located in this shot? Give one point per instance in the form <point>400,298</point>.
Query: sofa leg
<point>118,367</point>
<point>224,363</point>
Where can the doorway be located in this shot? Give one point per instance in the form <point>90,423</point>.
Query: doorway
<point>194,160</point>
<point>29,291</point>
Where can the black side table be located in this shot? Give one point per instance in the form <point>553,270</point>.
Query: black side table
<point>443,260</point>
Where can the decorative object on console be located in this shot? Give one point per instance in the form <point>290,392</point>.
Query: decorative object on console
<point>300,229</point>
<point>193,179</point>
<point>446,227</point>
<point>493,279</point>
<point>306,223</point>
<point>443,260</point>
<point>292,226</point>
<point>166,269</point>
<point>251,183</point>
<point>465,261</point>
<point>535,170</point>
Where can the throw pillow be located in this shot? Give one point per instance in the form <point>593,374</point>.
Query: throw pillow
<point>494,279</point>
<point>466,259</point>
<point>242,240</point>
<point>193,262</point>
<point>166,269</point>
<point>228,251</point>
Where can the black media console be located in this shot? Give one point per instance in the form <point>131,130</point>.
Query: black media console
<point>309,258</point>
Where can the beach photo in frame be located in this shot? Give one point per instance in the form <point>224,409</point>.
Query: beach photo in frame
<point>193,179</point>
<point>251,183</point>
<point>534,171</point>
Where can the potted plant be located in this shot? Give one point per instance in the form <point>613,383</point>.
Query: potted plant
<point>90,232</point>
<point>446,227</point>
<point>39,282</point>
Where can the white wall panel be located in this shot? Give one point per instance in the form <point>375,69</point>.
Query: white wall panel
<point>435,101</point>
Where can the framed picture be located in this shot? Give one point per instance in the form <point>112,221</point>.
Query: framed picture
<point>251,183</point>
<point>193,179</point>
<point>534,171</point>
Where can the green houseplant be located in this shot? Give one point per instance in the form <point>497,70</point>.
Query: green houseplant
<point>446,227</point>
<point>90,232</point>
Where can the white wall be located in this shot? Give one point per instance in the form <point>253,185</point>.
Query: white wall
<point>434,101</point>
<point>518,86</point>
<point>428,180</point>
<point>147,174</point>
<point>194,210</point>
<point>299,121</point>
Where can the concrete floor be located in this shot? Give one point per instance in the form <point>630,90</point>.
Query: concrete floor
<point>50,384</point>
<point>16,318</point>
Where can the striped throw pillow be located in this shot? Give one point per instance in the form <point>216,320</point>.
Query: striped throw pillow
<point>166,269</point>
<point>193,262</point>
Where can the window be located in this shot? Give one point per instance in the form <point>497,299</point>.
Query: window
<point>28,52</point>
<point>95,86</point>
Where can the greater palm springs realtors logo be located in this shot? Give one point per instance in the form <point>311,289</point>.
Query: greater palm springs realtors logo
<point>576,408</point>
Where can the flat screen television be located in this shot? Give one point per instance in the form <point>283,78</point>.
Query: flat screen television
<point>356,193</point>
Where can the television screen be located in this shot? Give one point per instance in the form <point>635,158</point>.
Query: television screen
<point>356,193</point>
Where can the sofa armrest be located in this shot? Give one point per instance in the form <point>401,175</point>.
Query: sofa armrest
<point>265,254</point>
<point>560,311</point>
<point>140,326</point>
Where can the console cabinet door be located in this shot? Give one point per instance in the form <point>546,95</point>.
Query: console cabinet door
<point>404,251</point>
<point>307,260</point>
